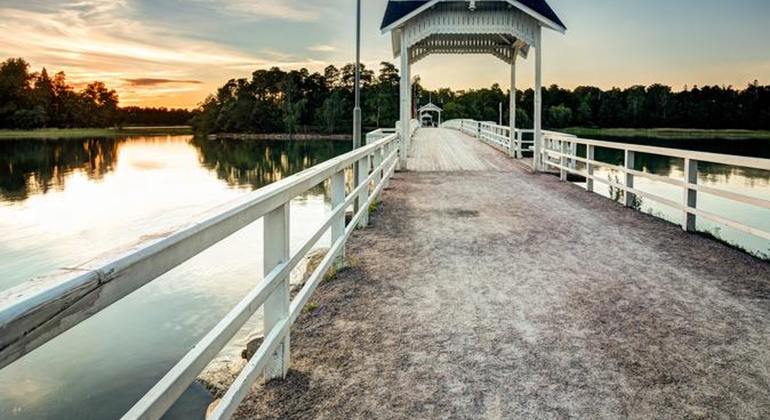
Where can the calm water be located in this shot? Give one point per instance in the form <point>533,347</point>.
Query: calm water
<point>64,202</point>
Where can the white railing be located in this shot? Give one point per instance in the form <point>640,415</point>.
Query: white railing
<point>560,152</point>
<point>36,312</point>
<point>497,136</point>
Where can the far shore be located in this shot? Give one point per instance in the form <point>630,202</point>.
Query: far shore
<point>669,133</point>
<point>280,136</point>
<point>72,133</point>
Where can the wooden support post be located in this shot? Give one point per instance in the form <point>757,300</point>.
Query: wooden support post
<point>690,200</point>
<point>630,198</point>
<point>275,252</point>
<point>563,161</point>
<point>590,155</point>
<point>338,226</point>
<point>515,151</point>
<point>363,196</point>
<point>405,107</point>
<point>376,162</point>
<point>538,157</point>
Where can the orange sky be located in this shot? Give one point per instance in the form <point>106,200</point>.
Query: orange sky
<point>175,52</point>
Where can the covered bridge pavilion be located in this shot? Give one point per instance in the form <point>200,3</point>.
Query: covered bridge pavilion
<point>506,29</point>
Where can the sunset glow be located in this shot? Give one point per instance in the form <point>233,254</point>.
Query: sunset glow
<point>174,53</point>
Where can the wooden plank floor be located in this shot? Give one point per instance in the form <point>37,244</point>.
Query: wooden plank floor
<point>444,150</point>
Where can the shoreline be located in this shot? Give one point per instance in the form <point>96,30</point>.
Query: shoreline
<point>279,136</point>
<point>77,133</point>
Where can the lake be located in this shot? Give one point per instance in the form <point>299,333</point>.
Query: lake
<point>64,202</point>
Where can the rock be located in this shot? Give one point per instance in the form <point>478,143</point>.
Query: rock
<point>252,346</point>
<point>220,374</point>
<point>213,406</point>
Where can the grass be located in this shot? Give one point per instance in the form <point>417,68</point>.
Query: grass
<point>72,133</point>
<point>669,133</point>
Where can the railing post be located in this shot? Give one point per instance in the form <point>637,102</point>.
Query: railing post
<point>690,194</point>
<point>590,156</point>
<point>363,196</point>
<point>338,226</point>
<point>376,162</point>
<point>276,251</point>
<point>563,160</point>
<point>629,165</point>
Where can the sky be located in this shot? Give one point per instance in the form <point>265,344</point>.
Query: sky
<point>175,52</point>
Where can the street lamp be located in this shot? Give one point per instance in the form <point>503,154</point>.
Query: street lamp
<point>357,109</point>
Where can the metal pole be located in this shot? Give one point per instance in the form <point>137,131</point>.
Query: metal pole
<point>357,108</point>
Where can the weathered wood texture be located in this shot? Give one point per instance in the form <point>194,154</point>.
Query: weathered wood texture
<point>441,149</point>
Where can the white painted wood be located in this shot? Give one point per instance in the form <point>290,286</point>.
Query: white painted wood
<point>363,196</point>
<point>338,226</point>
<point>538,113</point>
<point>590,156</point>
<point>403,100</point>
<point>276,251</point>
<point>690,198</point>
<point>515,150</point>
<point>630,161</point>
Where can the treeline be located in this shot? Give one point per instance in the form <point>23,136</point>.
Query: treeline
<point>299,101</point>
<point>38,100</point>
<point>708,107</point>
<point>290,101</point>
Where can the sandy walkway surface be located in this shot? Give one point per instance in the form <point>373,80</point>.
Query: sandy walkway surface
<point>503,294</point>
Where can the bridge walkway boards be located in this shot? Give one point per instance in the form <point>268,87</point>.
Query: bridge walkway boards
<point>504,294</point>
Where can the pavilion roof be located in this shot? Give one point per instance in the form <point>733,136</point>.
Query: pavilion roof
<point>430,107</point>
<point>398,10</point>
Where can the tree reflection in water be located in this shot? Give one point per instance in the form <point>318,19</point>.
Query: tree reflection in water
<point>29,167</point>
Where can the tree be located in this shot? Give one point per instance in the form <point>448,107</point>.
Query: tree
<point>559,116</point>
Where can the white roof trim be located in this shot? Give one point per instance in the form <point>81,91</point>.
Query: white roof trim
<point>548,22</point>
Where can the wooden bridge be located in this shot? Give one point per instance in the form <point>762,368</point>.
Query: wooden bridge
<point>484,290</point>
<point>481,288</point>
<point>484,286</point>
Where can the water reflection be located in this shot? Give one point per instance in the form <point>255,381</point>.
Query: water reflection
<point>35,167</point>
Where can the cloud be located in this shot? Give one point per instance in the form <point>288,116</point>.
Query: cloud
<point>290,10</point>
<point>322,48</point>
<point>110,41</point>
<point>156,82</point>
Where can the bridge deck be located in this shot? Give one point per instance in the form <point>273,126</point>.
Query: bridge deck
<point>502,293</point>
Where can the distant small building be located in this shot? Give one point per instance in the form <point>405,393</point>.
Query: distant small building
<point>426,118</point>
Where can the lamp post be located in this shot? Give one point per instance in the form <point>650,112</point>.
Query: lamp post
<point>357,109</point>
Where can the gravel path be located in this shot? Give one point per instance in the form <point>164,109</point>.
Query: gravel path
<point>503,294</point>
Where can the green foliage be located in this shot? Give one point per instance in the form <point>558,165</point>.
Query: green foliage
<point>559,116</point>
<point>35,100</point>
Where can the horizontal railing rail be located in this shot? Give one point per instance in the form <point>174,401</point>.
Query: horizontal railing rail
<point>498,136</point>
<point>39,310</point>
<point>560,153</point>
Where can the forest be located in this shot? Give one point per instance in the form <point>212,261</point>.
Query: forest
<point>30,100</point>
<point>290,101</point>
<point>278,101</point>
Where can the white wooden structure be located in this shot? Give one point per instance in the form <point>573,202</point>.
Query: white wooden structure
<point>506,29</point>
<point>426,109</point>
